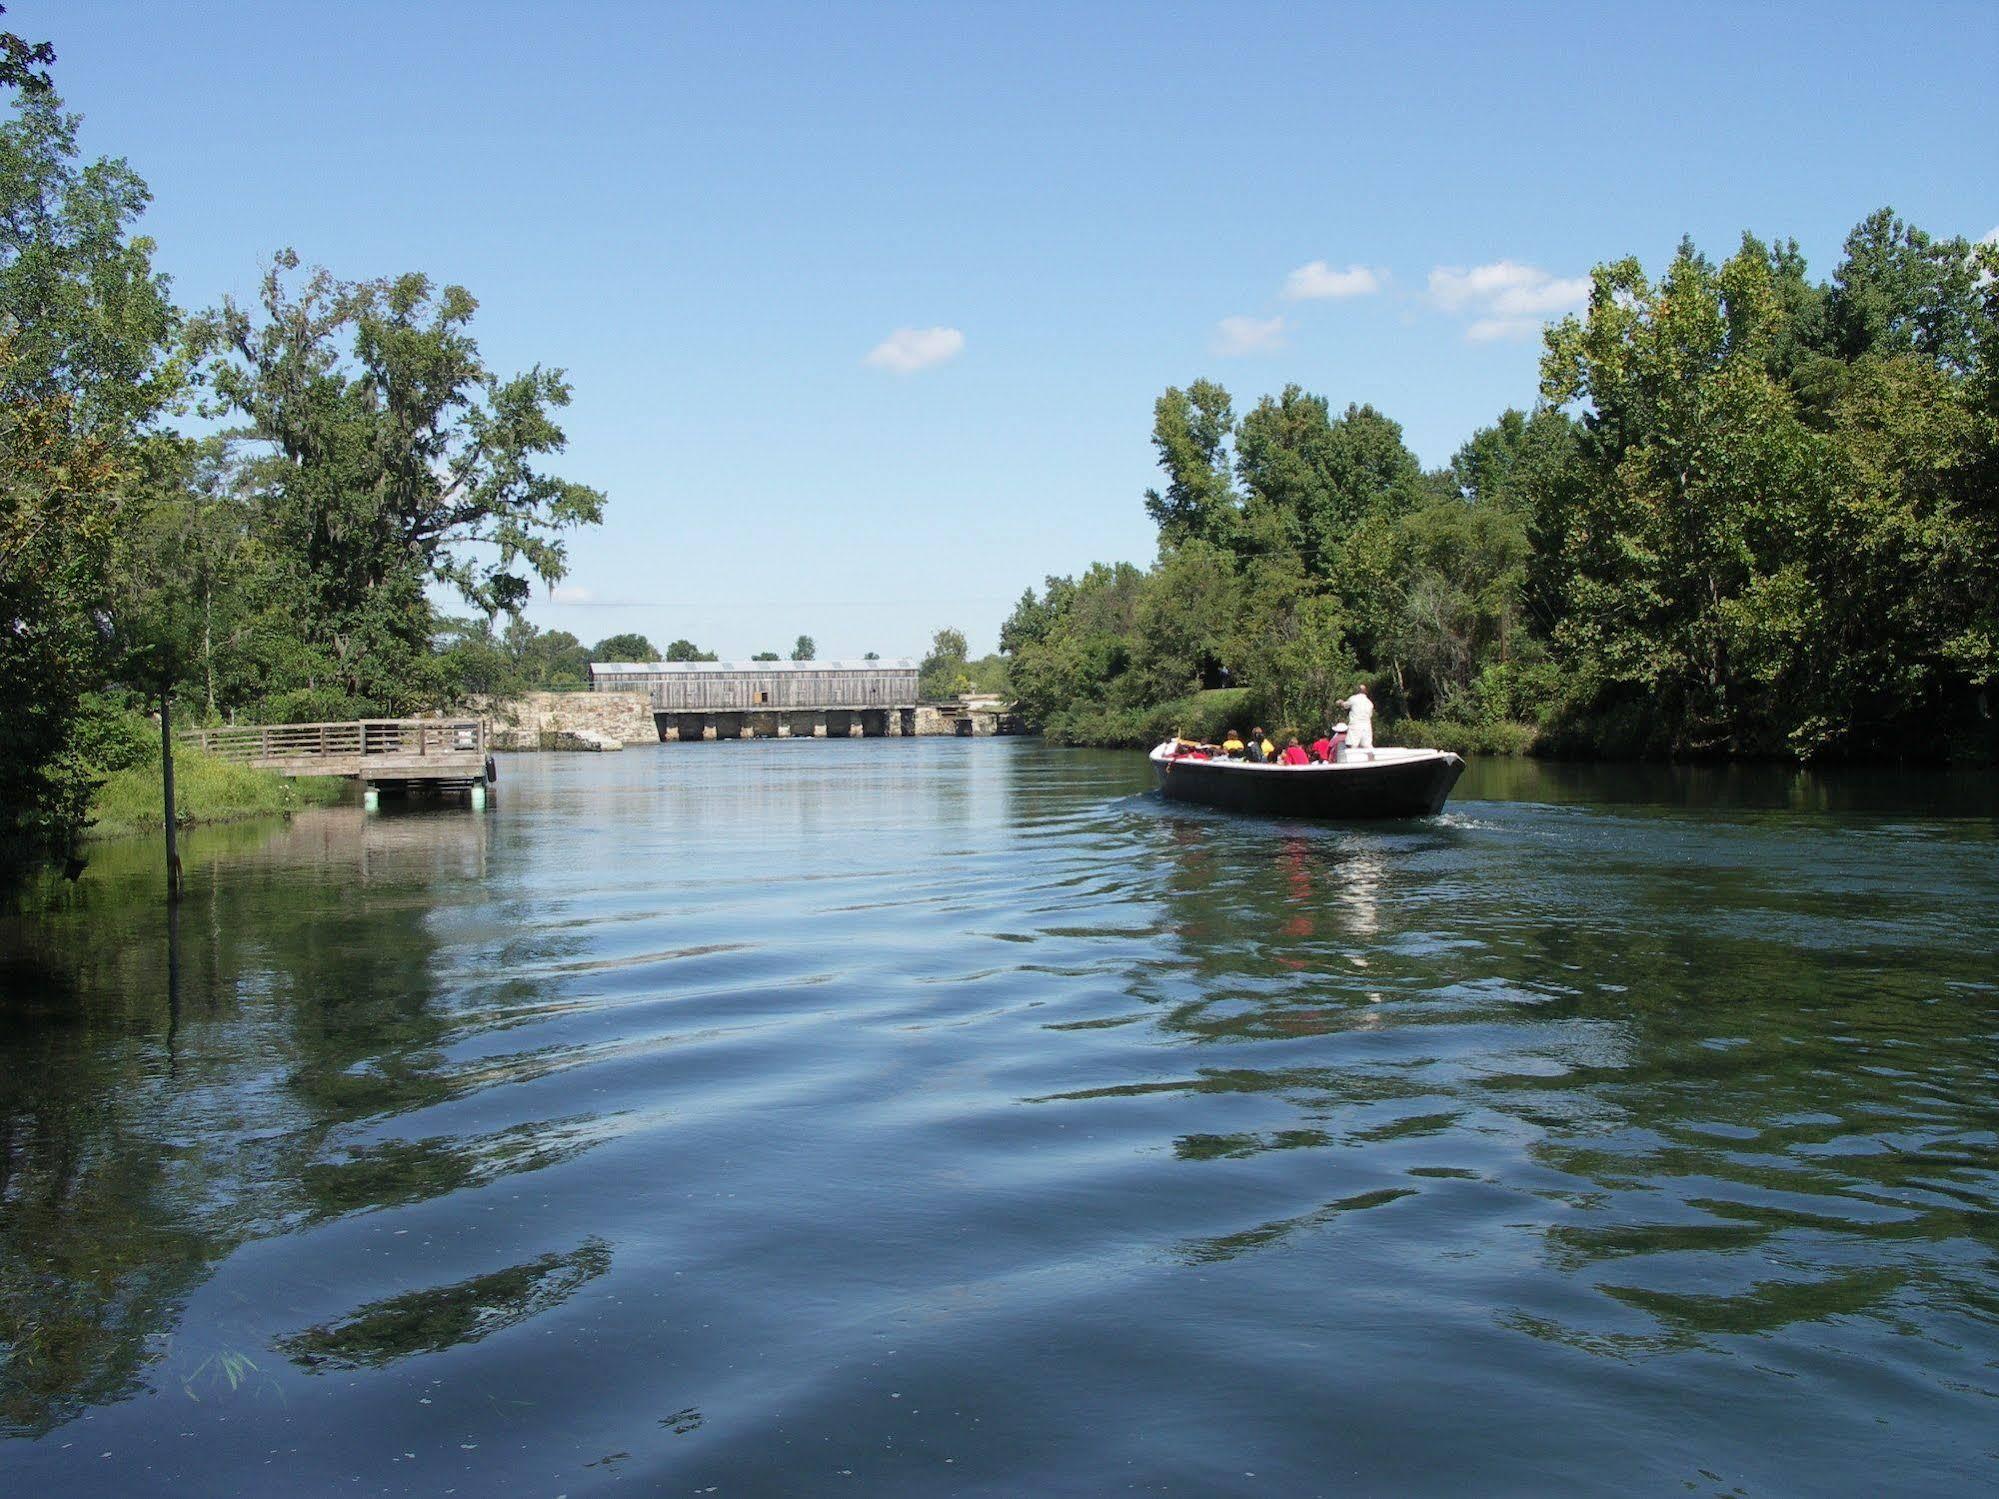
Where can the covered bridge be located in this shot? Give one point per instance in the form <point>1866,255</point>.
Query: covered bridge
<point>776,699</point>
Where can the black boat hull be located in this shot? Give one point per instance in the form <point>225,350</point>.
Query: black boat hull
<point>1348,792</point>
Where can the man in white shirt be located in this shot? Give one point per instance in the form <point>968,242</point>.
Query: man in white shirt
<point>1360,719</point>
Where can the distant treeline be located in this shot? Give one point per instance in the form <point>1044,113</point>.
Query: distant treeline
<point>1750,514</point>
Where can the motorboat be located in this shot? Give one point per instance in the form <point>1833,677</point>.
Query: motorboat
<point>1368,783</point>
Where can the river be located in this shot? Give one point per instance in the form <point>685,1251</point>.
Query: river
<point>954,1117</point>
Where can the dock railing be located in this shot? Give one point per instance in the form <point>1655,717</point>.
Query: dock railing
<point>353,742</point>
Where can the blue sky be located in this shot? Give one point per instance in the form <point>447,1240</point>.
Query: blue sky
<point>719,219</point>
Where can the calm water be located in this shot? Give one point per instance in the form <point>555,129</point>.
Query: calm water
<point>954,1117</point>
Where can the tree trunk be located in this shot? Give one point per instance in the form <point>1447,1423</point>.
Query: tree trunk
<point>167,782</point>
<point>208,645</point>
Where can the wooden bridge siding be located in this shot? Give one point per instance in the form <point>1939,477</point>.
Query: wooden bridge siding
<point>795,691</point>
<point>375,749</point>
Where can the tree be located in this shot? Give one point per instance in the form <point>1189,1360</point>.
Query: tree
<point>1295,649</point>
<point>1462,600</point>
<point>1075,647</point>
<point>24,65</point>
<point>383,456</point>
<point>475,661</point>
<point>804,650</point>
<point>627,647</point>
<point>1328,492</point>
<point>991,673</point>
<point>1529,466</point>
<point>551,660</point>
<point>1191,430</point>
<point>943,673</point>
<point>1032,618</point>
<point>687,650</point>
<point>872,656</point>
<point>1703,475</point>
<point>766,656</point>
<point>1898,291</point>
<point>1187,621</point>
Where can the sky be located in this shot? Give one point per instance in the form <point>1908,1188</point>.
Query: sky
<point>866,306</point>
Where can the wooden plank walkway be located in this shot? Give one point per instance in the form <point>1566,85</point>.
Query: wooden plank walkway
<point>369,749</point>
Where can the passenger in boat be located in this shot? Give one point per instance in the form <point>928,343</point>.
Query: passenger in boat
<point>1322,749</point>
<point>1360,719</point>
<point>1260,750</point>
<point>1294,753</point>
<point>1232,745</point>
<point>1190,749</point>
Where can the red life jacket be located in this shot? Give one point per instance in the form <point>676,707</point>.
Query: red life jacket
<point>1322,749</point>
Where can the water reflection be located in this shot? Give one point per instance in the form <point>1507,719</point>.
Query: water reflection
<point>1228,1246</point>
<point>178,1083</point>
<point>441,1317</point>
<point>1360,872</point>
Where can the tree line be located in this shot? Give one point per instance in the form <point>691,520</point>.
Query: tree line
<point>1750,513</point>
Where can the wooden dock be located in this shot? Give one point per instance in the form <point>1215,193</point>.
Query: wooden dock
<point>446,753</point>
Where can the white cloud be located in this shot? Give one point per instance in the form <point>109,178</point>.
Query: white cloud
<point>1991,238</point>
<point>1236,336</point>
<point>569,593</point>
<point>910,349</point>
<point>1318,281</point>
<point>1505,299</point>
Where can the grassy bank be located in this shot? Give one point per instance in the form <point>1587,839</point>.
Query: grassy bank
<point>206,790</point>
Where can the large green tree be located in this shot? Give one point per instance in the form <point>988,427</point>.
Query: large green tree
<point>1324,476</point>
<point>383,457</point>
<point>1191,430</point>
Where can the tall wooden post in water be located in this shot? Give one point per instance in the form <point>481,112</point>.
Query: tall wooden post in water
<point>167,782</point>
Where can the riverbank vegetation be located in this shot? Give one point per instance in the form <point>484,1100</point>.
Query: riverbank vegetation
<point>1749,514</point>
<point>249,511</point>
<point>206,790</point>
